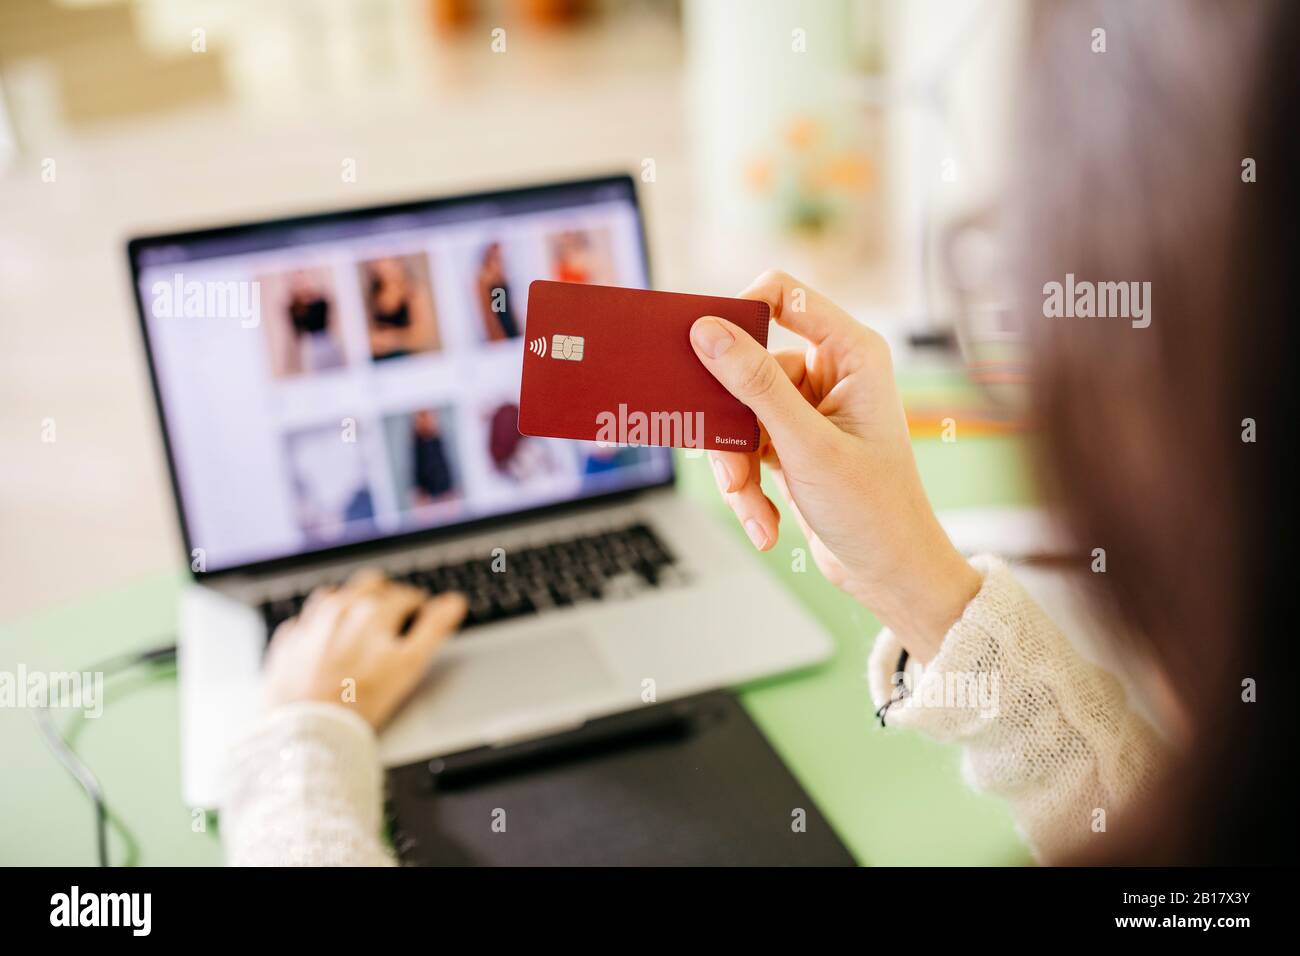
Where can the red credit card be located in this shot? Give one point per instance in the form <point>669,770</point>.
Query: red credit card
<point>616,366</point>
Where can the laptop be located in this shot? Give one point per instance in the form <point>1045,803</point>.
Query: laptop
<point>340,390</point>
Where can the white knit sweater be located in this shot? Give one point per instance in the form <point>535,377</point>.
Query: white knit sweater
<point>304,788</point>
<point>1040,727</point>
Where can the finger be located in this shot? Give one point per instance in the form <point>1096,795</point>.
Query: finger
<point>731,468</point>
<point>436,621</point>
<point>377,614</point>
<point>282,634</point>
<point>752,374</point>
<point>329,605</point>
<point>323,609</point>
<point>756,514</point>
<point>801,309</point>
<point>793,363</point>
<point>366,581</point>
<point>745,496</point>
<point>318,598</point>
<point>395,607</point>
<point>791,505</point>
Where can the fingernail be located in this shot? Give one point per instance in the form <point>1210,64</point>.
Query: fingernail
<point>711,337</point>
<point>756,533</point>
<point>724,476</point>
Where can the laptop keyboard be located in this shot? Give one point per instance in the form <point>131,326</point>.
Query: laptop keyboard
<point>602,566</point>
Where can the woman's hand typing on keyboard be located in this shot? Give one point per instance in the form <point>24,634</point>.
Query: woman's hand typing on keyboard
<point>364,645</point>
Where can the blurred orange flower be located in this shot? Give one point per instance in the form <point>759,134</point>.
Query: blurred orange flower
<point>810,177</point>
<point>802,132</point>
<point>850,172</point>
<point>758,175</point>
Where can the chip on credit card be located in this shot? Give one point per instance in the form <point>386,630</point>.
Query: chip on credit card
<point>616,366</point>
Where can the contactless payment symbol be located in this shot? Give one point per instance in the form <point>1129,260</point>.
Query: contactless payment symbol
<point>538,346</point>
<point>567,347</point>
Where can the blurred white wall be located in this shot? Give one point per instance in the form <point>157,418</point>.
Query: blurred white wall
<point>952,67</point>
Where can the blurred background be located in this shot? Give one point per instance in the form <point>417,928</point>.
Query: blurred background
<point>835,139</point>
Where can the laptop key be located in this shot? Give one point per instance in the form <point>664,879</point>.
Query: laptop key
<point>604,565</point>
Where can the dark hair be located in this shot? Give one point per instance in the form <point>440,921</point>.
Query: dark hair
<point>1133,167</point>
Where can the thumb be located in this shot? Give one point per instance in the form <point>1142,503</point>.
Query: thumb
<point>752,374</point>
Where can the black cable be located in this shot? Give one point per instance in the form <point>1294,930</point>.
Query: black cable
<point>75,766</point>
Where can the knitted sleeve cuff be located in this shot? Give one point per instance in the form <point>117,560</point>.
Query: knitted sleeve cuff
<point>962,685</point>
<point>304,786</point>
<point>1038,724</point>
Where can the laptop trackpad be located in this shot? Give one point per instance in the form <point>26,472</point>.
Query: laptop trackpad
<point>542,683</point>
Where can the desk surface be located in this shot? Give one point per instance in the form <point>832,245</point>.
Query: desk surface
<point>895,798</point>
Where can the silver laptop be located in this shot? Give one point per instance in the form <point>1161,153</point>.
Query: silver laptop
<point>339,391</point>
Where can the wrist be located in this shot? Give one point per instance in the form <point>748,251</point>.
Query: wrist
<point>925,596</point>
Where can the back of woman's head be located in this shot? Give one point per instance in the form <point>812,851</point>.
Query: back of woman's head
<point>1164,152</point>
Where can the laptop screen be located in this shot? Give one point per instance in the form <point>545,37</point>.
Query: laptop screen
<point>352,377</point>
